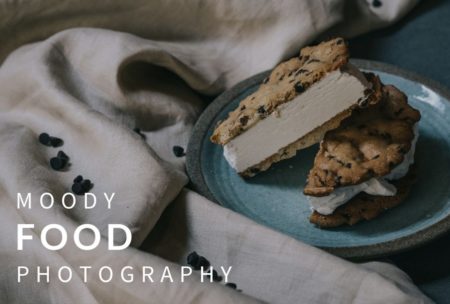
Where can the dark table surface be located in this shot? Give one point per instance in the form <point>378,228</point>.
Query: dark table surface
<point>419,43</point>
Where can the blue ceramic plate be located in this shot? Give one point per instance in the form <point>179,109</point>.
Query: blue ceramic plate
<point>274,198</point>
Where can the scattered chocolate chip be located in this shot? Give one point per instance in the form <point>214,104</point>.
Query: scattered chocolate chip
<point>377,3</point>
<point>80,186</point>
<point>243,120</point>
<point>231,285</point>
<point>192,259</point>
<point>216,276</point>
<point>56,142</point>
<point>44,139</point>
<point>348,165</point>
<point>178,151</point>
<point>299,88</point>
<point>62,155</point>
<point>86,185</point>
<point>77,189</point>
<point>203,262</point>
<point>306,58</point>
<point>261,110</point>
<point>57,163</point>
<point>50,141</point>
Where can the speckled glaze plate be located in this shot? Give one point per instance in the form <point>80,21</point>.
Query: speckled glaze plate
<point>274,198</point>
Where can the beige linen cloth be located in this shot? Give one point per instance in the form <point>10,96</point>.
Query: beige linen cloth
<point>102,68</point>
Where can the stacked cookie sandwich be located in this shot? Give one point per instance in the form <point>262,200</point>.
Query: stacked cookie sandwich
<point>363,167</point>
<point>293,108</point>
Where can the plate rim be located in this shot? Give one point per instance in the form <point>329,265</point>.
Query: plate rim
<point>363,252</point>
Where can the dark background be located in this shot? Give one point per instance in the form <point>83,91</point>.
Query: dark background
<point>419,43</point>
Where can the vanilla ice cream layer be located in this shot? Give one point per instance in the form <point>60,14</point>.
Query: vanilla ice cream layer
<point>375,186</point>
<point>334,93</point>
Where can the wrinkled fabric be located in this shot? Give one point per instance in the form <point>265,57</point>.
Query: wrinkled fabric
<point>103,69</point>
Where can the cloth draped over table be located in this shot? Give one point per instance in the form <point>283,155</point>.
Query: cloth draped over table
<point>89,72</point>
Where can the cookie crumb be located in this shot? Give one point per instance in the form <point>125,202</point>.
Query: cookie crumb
<point>178,151</point>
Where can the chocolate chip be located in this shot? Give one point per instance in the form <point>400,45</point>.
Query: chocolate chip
<point>77,189</point>
<point>261,110</point>
<point>78,179</point>
<point>86,185</point>
<point>44,139</point>
<point>376,156</point>
<point>377,3</point>
<point>299,88</point>
<point>231,285</point>
<point>203,262</point>
<point>57,163</point>
<point>62,155</point>
<point>243,107</point>
<point>337,179</point>
<point>56,142</point>
<point>192,258</point>
<point>216,276</point>
<point>178,151</point>
<point>243,120</point>
<point>348,165</point>
<point>300,71</point>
